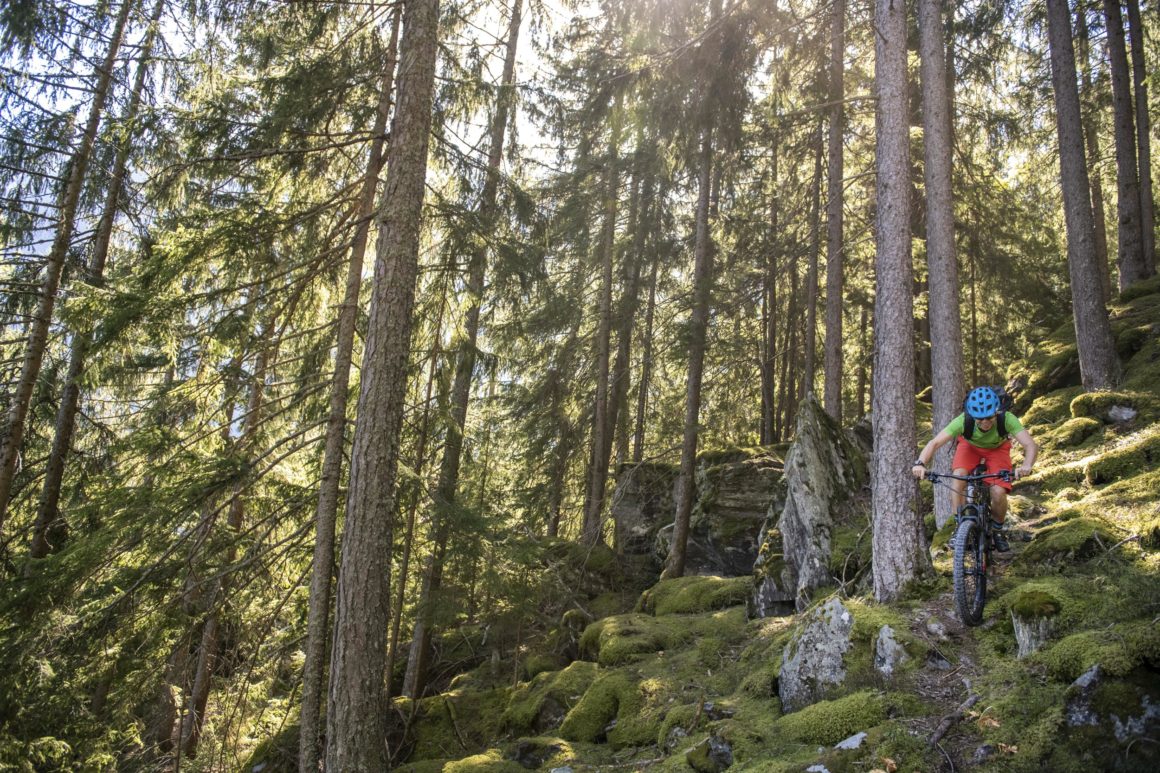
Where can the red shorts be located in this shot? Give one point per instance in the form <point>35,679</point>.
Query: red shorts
<point>967,457</point>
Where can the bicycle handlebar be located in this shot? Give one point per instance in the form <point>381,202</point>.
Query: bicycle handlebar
<point>1005,475</point>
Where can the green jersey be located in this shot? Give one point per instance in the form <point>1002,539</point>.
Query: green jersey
<point>981,439</point>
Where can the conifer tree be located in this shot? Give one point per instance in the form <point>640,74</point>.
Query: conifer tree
<point>898,544</point>
<point>835,203</point>
<point>355,720</point>
<point>1143,137</point>
<point>37,337</point>
<point>945,331</point>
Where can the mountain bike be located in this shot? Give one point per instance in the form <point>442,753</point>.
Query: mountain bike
<point>972,541</point>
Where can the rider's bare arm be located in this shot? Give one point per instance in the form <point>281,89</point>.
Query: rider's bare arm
<point>1030,451</point>
<point>927,453</point>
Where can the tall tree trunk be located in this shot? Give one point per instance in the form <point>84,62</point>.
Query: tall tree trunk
<point>646,363</point>
<point>1092,140</point>
<point>21,397</point>
<point>835,201</point>
<point>1143,137</point>
<point>769,380</point>
<point>811,333</point>
<point>448,483</point>
<point>414,496</point>
<point>1099,368</point>
<point>1131,245</point>
<point>48,509</point>
<point>591,532</point>
<point>946,337</point>
<point>356,714</point>
<point>626,312</point>
<point>325,516</point>
<point>702,284</point>
<point>865,353</point>
<point>898,543</point>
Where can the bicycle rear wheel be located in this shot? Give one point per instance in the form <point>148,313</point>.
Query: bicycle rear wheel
<point>970,574</point>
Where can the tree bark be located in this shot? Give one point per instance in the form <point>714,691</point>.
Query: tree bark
<point>322,569</point>
<point>811,332</point>
<point>1092,141</point>
<point>946,337</point>
<point>48,509</point>
<point>1131,246</point>
<point>356,714</point>
<point>448,483</point>
<point>21,398</point>
<point>1143,137</point>
<point>1099,368</point>
<point>835,201</point>
<point>646,363</point>
<point>898,544</point>
<point>591,532</point>
<point>702,283</point>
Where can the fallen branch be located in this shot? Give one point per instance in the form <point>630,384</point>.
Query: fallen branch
<point>952,718</point>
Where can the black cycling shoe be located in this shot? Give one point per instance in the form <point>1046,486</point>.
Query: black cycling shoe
<point>1001,544</point>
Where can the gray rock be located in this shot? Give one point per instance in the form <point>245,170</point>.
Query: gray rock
<point>823,469</point>
<point>733,496</point>
<point>853,742</point>
<point>564,769</point>
<point>712,755</point>
<point>674,738</point>
<point>1079,711</point>
<point>1031,633</point>
<point>935,628</point>
<point>1136,727</point>
<point>888,653</point>
<point>819,768</point>
<point>1122,414</point>
<point>983,753</point>
<point>812,664</point>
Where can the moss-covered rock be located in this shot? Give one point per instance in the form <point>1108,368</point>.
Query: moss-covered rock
<point>490,761</point>
<point>1050,408</point>
<point>827,722</point>
<point>542,703</point>
<point>613,696</point>
<point>1124,462</point>
<point>620,639</point>
<point>1074,540</point>
<point>1118,650</point>
<point>1076,431</point>
<point>686,595</point>
<point>464,722</point>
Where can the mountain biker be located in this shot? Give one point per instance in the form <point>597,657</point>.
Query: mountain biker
<point>987,443</point>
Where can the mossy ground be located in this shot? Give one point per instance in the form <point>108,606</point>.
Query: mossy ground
<point>687,664</point>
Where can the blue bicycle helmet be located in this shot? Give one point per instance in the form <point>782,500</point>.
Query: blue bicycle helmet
<point>982,403</point>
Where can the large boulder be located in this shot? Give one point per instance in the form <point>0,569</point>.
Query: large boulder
<point>814,660</point>
<point>824,470</point>
<point>734,491</point>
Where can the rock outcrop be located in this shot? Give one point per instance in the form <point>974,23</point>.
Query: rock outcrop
<point>814,658</point>
<point>734,494</point>
<point>824,469</point>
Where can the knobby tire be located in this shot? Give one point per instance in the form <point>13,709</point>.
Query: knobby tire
<point>969,573</point>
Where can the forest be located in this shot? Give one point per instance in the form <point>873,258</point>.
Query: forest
<point>361,358</point>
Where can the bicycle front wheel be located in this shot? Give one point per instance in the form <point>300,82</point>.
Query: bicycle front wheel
<point>969,572</point>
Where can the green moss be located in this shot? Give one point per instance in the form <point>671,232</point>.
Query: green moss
<point>1035,603</point>
<point>537,705</point>
<point>1097,404</point>
<point>1075,431</point>
<point>850,550</point>
<point>1140,289</point>
<point>1051,408</point>
<point>621,639</point>
<point>491,761</point>
<point>611,603</point>
<point>827,722</point>
<point>612,696</point>
<point>464,722</point>
<point>1124,462</point>
<point>1074,540</point>
<point>1118,650</point>
<point>943,536</point>
<point>685,595</point>
<point>537,664</point>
